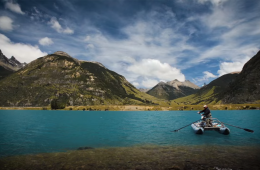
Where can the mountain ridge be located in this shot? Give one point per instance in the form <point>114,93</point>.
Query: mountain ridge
<point>61,77</point>
<point>9,66</point>
<point>234,88</point>
<point>173,89</point>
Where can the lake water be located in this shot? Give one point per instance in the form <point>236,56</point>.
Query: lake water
<point>29,132</point>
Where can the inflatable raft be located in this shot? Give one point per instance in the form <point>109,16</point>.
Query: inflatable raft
<point>200,126</point>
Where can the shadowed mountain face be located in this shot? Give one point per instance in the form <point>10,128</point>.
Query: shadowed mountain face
<point>246,87</point>
<point>8,66</point>
<point>236,88</point>
<point>173,89</point>
<point>70,81</point>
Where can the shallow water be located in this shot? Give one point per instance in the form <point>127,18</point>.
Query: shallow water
<point>27,132</point>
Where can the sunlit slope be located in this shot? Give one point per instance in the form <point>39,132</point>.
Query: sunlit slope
<point>72,82</point>
<point>209,93</point>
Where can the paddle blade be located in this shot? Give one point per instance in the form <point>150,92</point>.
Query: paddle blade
<point>249,130</point>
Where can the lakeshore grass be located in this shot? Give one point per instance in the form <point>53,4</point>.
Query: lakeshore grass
<point>169,107</point>
<point>142,157</point>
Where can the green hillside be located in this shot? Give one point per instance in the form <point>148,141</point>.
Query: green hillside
<point>70,82</point>
<point>208,94</point>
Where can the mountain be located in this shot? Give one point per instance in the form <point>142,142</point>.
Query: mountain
<point>246,87</point>
<point>235,88</point>
<point>173,89</point>
<point>65,79</point>
<point>144,90</point>
<point>210,92</point>
<point>8,66</point>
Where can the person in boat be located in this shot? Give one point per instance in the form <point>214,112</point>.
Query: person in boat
<point>207,114</point>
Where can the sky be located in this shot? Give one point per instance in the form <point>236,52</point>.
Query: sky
<point>146,41</point>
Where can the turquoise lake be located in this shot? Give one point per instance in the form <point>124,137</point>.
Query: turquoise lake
<point>29,132</point>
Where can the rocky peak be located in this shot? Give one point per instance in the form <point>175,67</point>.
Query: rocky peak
<point>11,63</point>
<point>3,58</point>
<point>14,60</point>
<point>98,63</point>
<point>161,83</point>
<point>62,53</point>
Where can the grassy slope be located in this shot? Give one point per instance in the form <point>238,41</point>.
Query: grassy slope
<point>208,94</point>
<point>72,82</point>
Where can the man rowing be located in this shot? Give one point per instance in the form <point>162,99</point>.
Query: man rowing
<point>207,114</point>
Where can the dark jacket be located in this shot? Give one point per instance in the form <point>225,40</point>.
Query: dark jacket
<point>206,111</point>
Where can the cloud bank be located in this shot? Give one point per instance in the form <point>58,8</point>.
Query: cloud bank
<point>22,52</point>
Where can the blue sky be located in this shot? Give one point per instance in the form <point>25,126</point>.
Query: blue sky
<point>147,41</point>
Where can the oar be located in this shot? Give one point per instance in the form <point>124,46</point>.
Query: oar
<point>185,126</point>
<point>248,130</point>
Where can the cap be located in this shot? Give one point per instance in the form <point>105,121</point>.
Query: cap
<point>205,106</point>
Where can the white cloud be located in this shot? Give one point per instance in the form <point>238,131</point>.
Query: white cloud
<point>209,75</point>
<point>90,46</point>
<point>149,83</point>
<point>155,69</point>
<point>45,41</point>
<point>135,84</point>
<point>22,52</point>
<point>56,25</point>
<point>87,38</point>
<point>214,2</point>
<point>229,67</point>
<point>6,23</point>
<point>14,7</point>
<point>55,6</point>
<point>68,31</point>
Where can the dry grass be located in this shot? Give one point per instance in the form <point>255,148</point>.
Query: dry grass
<point>171,106</point>
<point>141,157</point>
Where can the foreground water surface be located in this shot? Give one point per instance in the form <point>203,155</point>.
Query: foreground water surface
<point>29,132</point>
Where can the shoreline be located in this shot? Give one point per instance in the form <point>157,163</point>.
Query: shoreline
<point>144,107</point>
<point>142,157</point>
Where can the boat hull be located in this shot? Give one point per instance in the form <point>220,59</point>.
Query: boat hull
<point>197,130</point>
<point>224,131</point>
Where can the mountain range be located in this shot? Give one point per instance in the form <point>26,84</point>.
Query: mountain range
<point>173,89</point>
<point>72,82</point>
<point>9,65</point>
